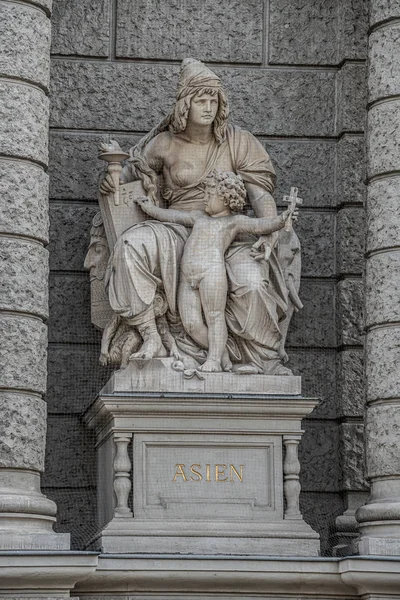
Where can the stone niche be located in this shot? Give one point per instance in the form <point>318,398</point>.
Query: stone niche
<point>197,470</point>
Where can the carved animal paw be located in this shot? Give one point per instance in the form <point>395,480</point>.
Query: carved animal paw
<point>103,359</point>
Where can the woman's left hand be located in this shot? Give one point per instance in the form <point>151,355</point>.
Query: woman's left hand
<point>263,247</point>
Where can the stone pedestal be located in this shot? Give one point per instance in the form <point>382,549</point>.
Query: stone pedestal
<point>213,472</point>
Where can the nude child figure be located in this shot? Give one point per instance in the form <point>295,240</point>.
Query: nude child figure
<point>203,285</point>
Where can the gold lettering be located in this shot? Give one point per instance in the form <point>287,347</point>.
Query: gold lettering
<point>219,474</point>
<point>208,478</point>
<point>199,476</point>
<point>180,472</point>
<point>239,476</point>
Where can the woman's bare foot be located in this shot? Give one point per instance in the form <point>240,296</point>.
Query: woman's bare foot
<point>211,366</point>
<point>152,346</point>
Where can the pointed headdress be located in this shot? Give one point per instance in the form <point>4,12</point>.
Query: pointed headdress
<point>195,75</point>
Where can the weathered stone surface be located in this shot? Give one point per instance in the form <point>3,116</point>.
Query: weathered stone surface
<point>350,326</point>
<point>383,439</point>
<point>350,383</point>
<point>318,258</point>
<point>83,96</point>
<point>320,511</point>
<point>24,43</point>
<point>306,165</point>
<point>352,456</point>
<point>351,168</point>
<point>317,22</point>
<point>384,67</point>
<point>69,235</point>
<point>75,377</point>
<point>22,431</point>
<point>24,192</point>
<point>76,513</point>
<point>70,309</point>
<point>70,455</point>
<point>382,288</point>
<point>23,353</point>
<point>188,29</point>
<point>81,27</point>
<point>384,138</point>
<point>318,457</point>
<point>353,28</point>
<point>350,243</point>
<point>74,167</point>
<point>318,378</point>
<point>383,217</point>
<point>314,325</point>
<point>382,366</point>
<point>317,250</point>
<point>23,276</point>
<point>23,121</point>
<point>381,10</point>
<point>352,98</point>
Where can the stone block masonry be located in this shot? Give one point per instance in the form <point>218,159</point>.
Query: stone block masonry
<point>113,75</point>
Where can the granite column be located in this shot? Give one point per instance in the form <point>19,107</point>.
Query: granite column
<point>379,518</point>
<point>26,515</point>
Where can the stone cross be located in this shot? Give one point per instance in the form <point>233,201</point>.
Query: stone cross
<point>292,201</point>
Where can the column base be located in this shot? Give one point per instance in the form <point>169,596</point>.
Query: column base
<point>379,538</point>
<point>26,515</point>
<point>379,519</point>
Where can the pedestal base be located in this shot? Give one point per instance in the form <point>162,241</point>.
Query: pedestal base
<point>213,472</point>
<point>287,538</point>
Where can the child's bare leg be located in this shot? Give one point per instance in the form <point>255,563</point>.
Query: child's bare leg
<point>213,291</point>
<point>189,305</point>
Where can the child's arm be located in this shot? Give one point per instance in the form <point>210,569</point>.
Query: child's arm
<point>168,215</point>
<point>265,225</point>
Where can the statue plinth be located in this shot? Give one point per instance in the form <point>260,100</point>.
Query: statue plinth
<point>215,471</point>
<point>157,375</point>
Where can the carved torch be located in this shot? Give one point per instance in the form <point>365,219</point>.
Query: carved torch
<point>113,154</point>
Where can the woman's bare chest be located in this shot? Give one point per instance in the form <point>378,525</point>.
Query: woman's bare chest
<point>187,164</point>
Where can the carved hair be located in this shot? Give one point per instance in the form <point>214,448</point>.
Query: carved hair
<point>230,187</point>
<point>181,109</point>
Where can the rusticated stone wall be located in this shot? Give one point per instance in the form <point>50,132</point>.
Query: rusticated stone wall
<point>294,73</point>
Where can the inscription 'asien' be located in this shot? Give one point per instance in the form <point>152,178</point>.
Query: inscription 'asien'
<point>220,473</point>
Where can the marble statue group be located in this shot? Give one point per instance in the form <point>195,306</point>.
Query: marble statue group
<point>210,273</point>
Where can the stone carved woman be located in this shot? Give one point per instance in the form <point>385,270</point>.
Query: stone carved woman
<point>173,161</point>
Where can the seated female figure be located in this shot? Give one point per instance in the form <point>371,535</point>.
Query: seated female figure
<point>193,140</point>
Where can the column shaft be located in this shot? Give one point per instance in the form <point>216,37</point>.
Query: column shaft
<point>379,519</point>
<point>26,515</point>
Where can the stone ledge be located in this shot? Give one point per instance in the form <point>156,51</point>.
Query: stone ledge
<point>133,575</point>
<point>157,375</point>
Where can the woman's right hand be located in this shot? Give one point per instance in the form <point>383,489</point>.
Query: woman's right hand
<point>107,186</point>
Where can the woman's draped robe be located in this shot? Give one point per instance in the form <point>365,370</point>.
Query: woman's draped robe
<point>147,256</point>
